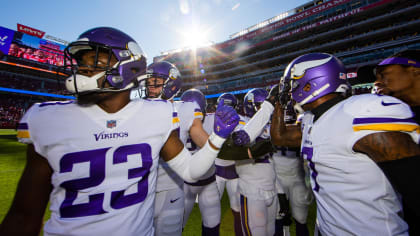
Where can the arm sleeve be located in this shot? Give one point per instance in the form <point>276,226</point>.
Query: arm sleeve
<point>256,124</point>
<point>192,167</point>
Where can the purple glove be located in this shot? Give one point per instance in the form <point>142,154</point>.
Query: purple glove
<point>240,138</point>
<point>225,120</point>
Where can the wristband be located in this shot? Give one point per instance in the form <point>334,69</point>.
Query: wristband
<point>216,140</point>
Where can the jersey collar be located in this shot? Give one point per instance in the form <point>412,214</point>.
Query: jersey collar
<point>321,109</point>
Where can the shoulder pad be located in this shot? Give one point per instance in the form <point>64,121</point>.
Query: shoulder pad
<point>382,113</point>
<point>372,105</point>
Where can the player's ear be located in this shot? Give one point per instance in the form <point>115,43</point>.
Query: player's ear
<point>416,71</point>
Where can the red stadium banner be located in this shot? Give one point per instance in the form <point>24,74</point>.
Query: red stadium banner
<point>31,31</point>
<point>316,24</point>
<point>314,10</point>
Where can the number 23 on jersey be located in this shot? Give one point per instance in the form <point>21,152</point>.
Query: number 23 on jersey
<point>97,173</point>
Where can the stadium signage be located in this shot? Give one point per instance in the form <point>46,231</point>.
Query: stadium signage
<point>55,39</point>
<point>329,20</point>
<point>288,20</point>
<point>326,21</point>
<point>6,36</point>
<point>31,31</point>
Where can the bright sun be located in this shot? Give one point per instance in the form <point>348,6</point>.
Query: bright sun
<point>195,38</point>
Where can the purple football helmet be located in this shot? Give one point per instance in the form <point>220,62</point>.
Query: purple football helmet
<point>131,61</point>
<point>314,75</point>
<point>195,95</point>
<point>171,79</point>
<point>253,100</point>
<point>229,100</point>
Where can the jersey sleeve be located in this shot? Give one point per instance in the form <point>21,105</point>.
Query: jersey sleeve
<point>375,113</point>
<point>190,111</point>
<point>299,119</point>
<point>25,125</point>
<point>255,126</point>
<point>175,119</point>
<point>241,124</point>
<point>197,111</point>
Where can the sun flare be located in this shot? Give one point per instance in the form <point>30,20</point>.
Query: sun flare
<point>195,38</point>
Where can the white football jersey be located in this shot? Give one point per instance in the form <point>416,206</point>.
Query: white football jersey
<point>353,195</point>
<point>186,112</point>
<point>257,177</point>
<point>104,164</point>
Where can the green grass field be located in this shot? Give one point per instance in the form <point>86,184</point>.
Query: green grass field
<point>12,162</point>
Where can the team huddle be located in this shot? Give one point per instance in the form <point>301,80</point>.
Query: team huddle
<point>124,166</point>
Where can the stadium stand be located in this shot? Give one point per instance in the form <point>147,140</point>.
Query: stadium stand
<point>28,75</point>
<point>359,32</point>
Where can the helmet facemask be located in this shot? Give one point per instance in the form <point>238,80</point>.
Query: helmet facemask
<point>153,83</point>
<point>114,68</point>
<point>168,74</point>
<point>228,100</point>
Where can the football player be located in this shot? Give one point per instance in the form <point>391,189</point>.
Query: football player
<point>291,176</point>
<point>399,76</point>
<point>257,178</point>
<point>288,171</point>
<point>205,189</point>
<point>226,175</point>
<point>95,159</point>
<point>164,82</point>
<point>345,141</point>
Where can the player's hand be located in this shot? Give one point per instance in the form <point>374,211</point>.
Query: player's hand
<point>273,96</point>
<point>284,93</point>
<point>241,138</point>
<point>225,120</point>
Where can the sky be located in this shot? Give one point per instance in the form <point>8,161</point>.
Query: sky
<point>156,25</point>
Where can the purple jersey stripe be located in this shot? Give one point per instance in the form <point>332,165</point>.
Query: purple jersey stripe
<point>23,126</point>
<point>175,114</point>
<point>227,172</point>
<point>264,160</point>
<point>203,182</point>
<point>370,120</point>
<point>197,110</point>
